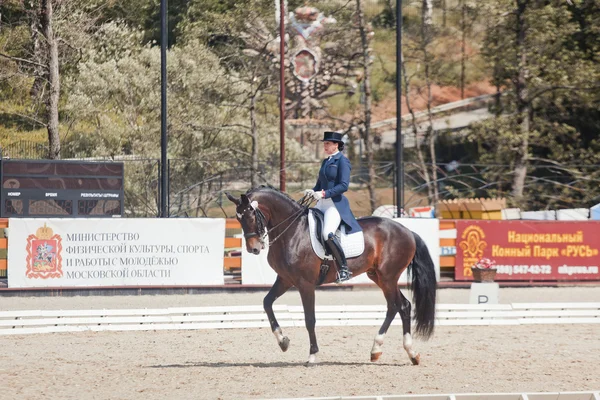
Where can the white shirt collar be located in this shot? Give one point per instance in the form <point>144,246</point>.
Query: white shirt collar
<point>333,155</point>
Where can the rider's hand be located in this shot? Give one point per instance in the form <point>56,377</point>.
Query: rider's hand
<point>318,195</point>
<point>309,192</point>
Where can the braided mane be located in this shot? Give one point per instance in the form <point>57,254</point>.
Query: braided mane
<point>268,189</point>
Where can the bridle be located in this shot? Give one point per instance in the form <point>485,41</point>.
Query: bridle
<point>261,220</point>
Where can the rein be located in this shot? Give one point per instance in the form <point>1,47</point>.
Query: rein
<point>262,221</point>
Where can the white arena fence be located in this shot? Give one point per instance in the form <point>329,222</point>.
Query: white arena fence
<point>593,395</point>
<point>23,322</point>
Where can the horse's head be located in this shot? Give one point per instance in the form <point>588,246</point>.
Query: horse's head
<point>252,221</point>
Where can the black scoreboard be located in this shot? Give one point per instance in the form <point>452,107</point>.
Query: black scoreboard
<point>61,189</point>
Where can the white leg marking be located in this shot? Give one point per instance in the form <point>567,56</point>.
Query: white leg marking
<point>377,344</point>
<point>312,359</point>
<point>407,342</point>
<point>278,335</point>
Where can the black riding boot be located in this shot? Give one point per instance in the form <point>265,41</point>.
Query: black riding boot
<point>336,249</point>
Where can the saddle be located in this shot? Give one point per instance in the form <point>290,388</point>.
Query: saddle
<point>320,223</point>
<point>353,244</point>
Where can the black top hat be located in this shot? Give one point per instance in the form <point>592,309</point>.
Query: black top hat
<point>332,137</point>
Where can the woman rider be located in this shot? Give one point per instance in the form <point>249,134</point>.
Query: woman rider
<point>334,180</point>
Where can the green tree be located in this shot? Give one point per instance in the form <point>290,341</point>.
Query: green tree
<point>114,103</point>
<point>45,38</point>
<point>545,58</point>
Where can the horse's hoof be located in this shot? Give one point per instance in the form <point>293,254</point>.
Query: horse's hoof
<point>312,359</point>
<point>375,356</point>
<point>416,360</point>
<point>285,343</point>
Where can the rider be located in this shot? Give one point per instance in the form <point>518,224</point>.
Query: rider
<point>334,180</point>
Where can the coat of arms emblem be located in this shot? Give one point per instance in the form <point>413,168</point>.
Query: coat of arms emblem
<point>43,254</point>
<point>472,245</point>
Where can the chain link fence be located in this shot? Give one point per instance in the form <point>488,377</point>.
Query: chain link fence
<point>196,187</point>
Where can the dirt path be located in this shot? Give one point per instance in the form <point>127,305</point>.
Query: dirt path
<point>247,363</point>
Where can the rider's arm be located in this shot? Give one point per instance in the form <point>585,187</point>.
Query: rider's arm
<point>344,182</point>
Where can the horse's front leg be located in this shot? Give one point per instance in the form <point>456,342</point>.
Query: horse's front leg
<point>277,290</point>
<point>307,293</point>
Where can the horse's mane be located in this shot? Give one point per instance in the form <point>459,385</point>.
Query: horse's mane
<point>261,187</point>
<point>271,189</point>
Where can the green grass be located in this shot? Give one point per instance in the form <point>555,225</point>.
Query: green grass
<point>14,125</point>
<point>16,122</point>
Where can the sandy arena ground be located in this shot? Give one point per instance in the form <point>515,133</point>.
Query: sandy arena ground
<point>247,363</point>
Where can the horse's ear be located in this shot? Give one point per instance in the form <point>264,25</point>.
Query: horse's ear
<point>245,199</point>
<point>232,199</point>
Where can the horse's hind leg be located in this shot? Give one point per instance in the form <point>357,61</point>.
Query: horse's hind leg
<point>389,291</point>
<point>278,289</point>
<point>405,314</point>
<point>396,303</point>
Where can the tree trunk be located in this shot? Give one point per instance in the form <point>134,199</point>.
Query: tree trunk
<point>427,15</point>
<point>523,105</point>
<point>427,32</point>
<point>39,52</point>
<point>53,81</point>
<point>366,60</point>
<point>420,156</point>
<point>463,53</point>
<point>498,96</point>
<point>444,13</point>
<point>254,135</point>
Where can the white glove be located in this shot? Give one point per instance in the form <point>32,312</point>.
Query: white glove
<point>318,195</point>
<point>309,192</point>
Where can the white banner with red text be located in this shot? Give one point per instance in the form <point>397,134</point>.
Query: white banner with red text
<point>115,252</point>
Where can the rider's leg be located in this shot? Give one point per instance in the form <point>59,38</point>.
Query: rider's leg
<point>332,217</point>
<point>324,205</point>
<point>338,253</point>
<point>332,222</point>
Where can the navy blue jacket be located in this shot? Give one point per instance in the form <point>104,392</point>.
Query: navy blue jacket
<point>334,178</point>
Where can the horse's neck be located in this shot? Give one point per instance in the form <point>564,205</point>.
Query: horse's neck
<point>280,210</point>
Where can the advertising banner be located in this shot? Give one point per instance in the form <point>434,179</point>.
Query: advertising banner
<point>123,252</point>
<point>530,250</point>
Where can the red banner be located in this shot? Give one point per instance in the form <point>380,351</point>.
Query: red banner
<point>530,250</point>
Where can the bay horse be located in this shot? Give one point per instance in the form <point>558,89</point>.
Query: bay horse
<point>390,248</point>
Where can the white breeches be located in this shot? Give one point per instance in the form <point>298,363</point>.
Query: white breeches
<point>332,216</point>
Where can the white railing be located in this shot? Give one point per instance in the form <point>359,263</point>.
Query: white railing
<point>591,395</point>
<point>193,318</point>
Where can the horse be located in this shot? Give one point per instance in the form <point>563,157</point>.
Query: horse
<point>390,248</point>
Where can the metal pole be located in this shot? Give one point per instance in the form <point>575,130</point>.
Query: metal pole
<point>399,137</point>
<point>281,95</point>
<point>164,175</point>
<point>3,206</point>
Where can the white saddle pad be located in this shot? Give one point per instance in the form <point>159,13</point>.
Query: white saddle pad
<point>352,244</point>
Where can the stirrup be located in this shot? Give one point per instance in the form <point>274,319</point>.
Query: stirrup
<point>343,275</point>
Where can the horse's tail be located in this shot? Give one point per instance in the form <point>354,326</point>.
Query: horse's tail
<point>424,287</point>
